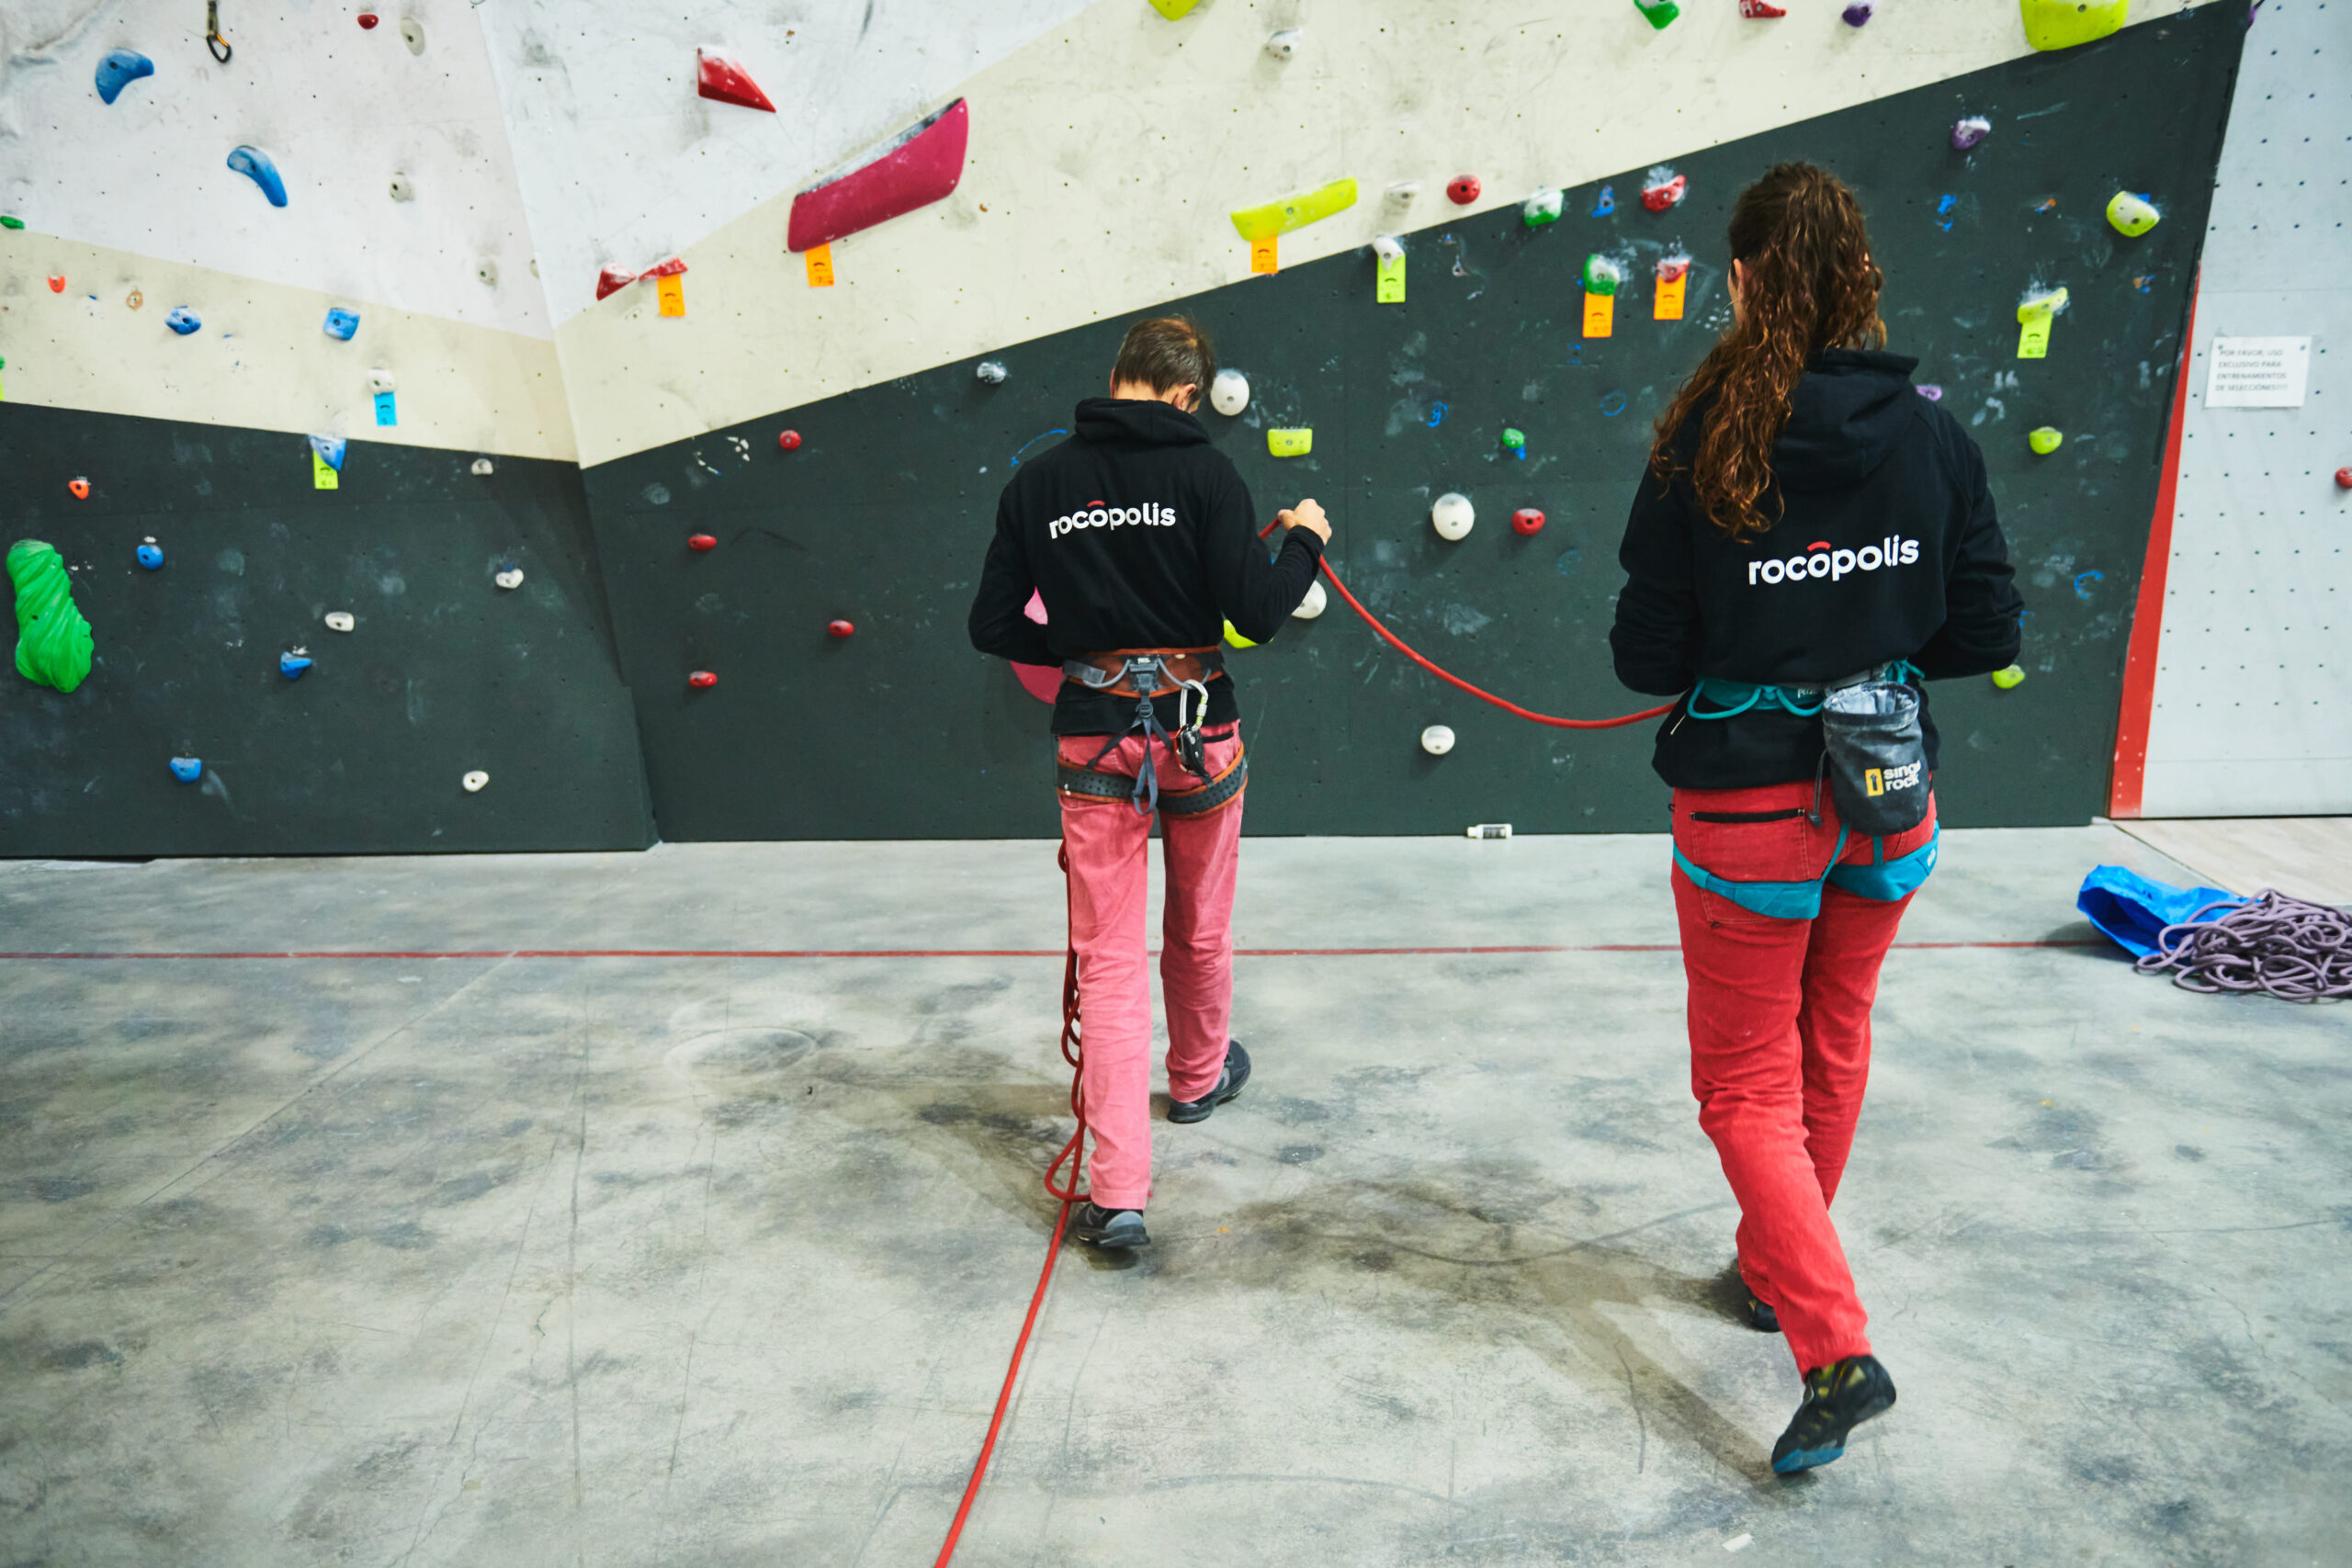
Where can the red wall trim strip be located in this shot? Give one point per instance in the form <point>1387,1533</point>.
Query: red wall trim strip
<point>2130,770</point>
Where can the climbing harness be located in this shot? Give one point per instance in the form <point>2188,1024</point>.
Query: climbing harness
<point>212,39</point>
<point>1874,754</point>
<point>1736,697</point>
<point>1145,673</point>
<point>1886,881</point>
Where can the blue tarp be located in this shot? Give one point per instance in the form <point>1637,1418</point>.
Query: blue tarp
<point>2132,909</point>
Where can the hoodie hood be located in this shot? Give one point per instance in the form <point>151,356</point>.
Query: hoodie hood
<point>1146,421</point>
<point>1849,410</point>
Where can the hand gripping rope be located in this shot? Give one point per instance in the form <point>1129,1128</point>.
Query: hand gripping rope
<point>1066,1189</point>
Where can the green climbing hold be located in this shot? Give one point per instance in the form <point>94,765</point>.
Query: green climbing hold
<point>52,639</point>
<point>1514,440</point>
<point>1657,13</point>
<point>11,222</point>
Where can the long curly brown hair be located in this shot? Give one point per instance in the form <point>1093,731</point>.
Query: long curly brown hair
<point>1809,285</point>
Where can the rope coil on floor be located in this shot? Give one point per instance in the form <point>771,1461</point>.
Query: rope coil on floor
<point>2288,948</point>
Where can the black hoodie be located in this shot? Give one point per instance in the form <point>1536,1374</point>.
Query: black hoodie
<point>1135,533</point>
<point>1885,549</point>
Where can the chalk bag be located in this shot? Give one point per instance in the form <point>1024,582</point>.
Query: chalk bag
<point>1878,764</point>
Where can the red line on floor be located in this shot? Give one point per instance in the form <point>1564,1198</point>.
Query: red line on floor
<point>967,952</point>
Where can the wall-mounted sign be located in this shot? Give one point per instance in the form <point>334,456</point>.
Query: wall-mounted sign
<point>2257,372</point>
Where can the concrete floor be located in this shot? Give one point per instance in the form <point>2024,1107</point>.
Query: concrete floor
<point>711,1260</point>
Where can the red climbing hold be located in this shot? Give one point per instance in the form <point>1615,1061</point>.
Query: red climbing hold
<point>670,268</point>
<point>702,541</point>
<point>1754,9</point>
<point>612,278</point>
<point>2343,479</point>
<point>1665,190</point>
<point>1527,520</point>
<point>81,489</point>
<point>841,628</point>
<point>1463,188</point>
<point>368,20</point>
<point>790,440</point>
<point>57,282</point>
<point>724,79</point>
<point>702,679</point>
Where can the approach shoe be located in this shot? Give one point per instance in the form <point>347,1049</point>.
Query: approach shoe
<point>1229,1084</point>
<point>1838,1398</point>
<point>1117,1228</point>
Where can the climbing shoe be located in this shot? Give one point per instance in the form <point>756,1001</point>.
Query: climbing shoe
<point>1098,1226</point>
<point>1760,1315</point>
<point>1229,1084</point>
<point>1838,1398</point>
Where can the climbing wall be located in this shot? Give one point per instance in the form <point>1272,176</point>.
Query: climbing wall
<point>879,515</point>
<point>273,322</point>
<point>2247,707</point>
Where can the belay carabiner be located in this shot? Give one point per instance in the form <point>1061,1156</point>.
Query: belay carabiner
<point>212,39</point>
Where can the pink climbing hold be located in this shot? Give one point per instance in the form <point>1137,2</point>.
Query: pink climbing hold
<point>921,166</point>
<point>612,279</point>
<point>1036,608</point>
<point>1664,188</point>
<point>724,80</point>
<point>789,441</point>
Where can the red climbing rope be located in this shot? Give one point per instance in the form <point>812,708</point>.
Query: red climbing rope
<point>1453,680</point>
<point>1068,1193</point>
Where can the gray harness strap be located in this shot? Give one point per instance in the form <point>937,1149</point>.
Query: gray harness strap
<point>1096,785</point>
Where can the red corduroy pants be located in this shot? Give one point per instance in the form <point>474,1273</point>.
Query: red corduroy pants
<point>1779,1016</point>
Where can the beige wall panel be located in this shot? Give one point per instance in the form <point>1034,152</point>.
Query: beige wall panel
<point>262,359</point>
<point>1108,151</point>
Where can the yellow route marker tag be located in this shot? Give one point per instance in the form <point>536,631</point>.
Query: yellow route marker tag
<point>1600,314</point>
<point>1262,255</point>
<point>1389,289</point>
<point>323,474</point>
<point>2034,324</point>
<point>820,266</point>
<point>673,291</point>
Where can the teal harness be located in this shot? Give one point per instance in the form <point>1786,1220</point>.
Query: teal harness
<point>1887,881</point>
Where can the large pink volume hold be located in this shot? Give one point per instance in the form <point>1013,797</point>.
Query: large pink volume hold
<point>920,167</point>
<point>724,79</point>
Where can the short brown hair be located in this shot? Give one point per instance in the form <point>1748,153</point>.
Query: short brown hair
<point>1165,353</point>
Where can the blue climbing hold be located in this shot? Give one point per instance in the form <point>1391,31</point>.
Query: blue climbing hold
<point>188,770</point>
<point>330,450</point>
<point>1608,202</point>
<point>2083,581</point>
<point>291,665</point>
<point>182,319</point>
<point>1437,415</point>
<point>342,323</point>
<point>119,70</point>
<point>1943,212</point>
<point>151,557</point>
<point>255,164</point>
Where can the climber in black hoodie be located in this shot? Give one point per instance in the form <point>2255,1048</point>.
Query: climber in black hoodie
<point>1809,523</point>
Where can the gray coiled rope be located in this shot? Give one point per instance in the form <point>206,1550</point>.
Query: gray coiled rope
<point>2284,947</point>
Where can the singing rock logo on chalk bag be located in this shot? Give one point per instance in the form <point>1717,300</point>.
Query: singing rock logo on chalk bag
<point>1094,515</point>
<point>1886,781</point>
<point>1821,560</point>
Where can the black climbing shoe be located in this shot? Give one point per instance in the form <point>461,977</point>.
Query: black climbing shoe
<point>1099,1226</point>
<point>1760,1315</point>
<point>1838,1398</point>
<point>1229,1084</point>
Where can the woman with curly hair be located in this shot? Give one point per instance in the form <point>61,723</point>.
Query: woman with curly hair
<point>1812,536</point>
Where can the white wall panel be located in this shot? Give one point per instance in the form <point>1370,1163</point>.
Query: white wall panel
<point>2253,703</point>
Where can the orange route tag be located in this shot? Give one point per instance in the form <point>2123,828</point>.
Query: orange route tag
<point>820,266</point>
<point>1669,307</point>
<point>1262,255</point>
<point>1600,314</point>
<point>673,291</point>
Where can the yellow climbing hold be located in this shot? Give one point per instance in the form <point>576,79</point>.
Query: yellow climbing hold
<point>52,639</point>
<point>2045,439</point>
<point>1236,639</point>
<point>2131,216</point>
<point>2008,679</point>
<point>1289,443</point>
<point>1173,10</point>
<point>2062,24</point>
<point>1297,211</point>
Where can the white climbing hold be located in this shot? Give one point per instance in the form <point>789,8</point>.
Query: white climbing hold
<point>1313,604</point>
<point>1452,515</point>
<point>487,270</point>
<point>1229,393</point>
<point>1403,192</point>
<point>1388,248</point>
<point>511,577</point>
<point>403,188</point>
<point>989,370</point>
<point>1437,741</point>
<point>482,466</point>
<point>339,620</point>
<point>380,380</point>
<point>1284,44</point>
<point>413,34</point>
<point>474,781</point>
